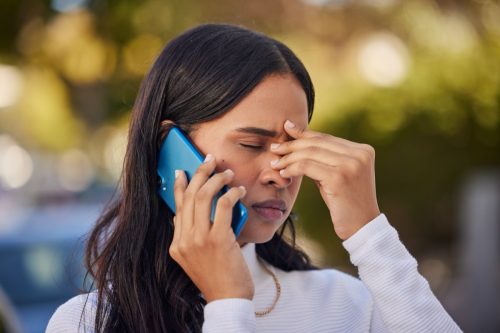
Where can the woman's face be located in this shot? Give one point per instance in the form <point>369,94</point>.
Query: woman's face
<point>240,140</point>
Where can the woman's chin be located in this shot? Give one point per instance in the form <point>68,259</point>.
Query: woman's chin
<point>258,232</point>
<point>257,239</point>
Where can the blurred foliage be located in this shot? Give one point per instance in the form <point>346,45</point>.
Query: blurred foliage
<point>431,126</point>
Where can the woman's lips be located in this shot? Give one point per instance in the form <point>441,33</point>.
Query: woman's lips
<point>271,214</point>
<point>271,210</point>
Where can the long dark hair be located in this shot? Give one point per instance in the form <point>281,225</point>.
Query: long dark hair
<point>199,76</point>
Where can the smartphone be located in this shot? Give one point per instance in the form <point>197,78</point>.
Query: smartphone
<point>178,153</point>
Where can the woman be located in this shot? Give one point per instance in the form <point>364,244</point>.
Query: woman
<point>245,100</point>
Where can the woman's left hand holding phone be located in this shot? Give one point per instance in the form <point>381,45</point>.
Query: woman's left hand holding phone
<point>208,252</point>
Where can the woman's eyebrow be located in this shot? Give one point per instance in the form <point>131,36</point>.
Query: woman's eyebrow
<point>258,131</point>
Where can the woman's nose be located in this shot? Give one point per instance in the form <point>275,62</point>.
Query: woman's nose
<point>270,176</point>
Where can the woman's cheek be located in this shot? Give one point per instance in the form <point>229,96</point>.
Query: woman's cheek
<point>230,158</point>
<point>243,177</point>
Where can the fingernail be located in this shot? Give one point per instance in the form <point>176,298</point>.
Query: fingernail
<point>229,172</point>
<point>177,173</point>
<point>274,162</point>
<point>208,158</point>
<point>244,190</point>
<point>289,124</point>
<point>282,172</point>
<point>274,146</point>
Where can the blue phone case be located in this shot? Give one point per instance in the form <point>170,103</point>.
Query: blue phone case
<point>178,153</point>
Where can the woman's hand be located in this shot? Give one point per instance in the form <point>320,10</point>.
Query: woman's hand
<point>344,172</point>
<point>209,253</point>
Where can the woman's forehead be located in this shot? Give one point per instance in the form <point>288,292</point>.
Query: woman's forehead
<point>272,102</point>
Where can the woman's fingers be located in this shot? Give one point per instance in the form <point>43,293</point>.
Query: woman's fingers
<point>205,196</point>
<point>318,140</point>
<point>189,197</point>
<point>297,132</point>
<point>224,208</point>
<point>179,188</point>
<point>318,154</point>
<point>322,148</point>
<point>315,170</point>
<point>180,184</point>
<point>194,200</point>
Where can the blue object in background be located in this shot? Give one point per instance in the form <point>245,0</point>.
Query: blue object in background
<point>41,260</point>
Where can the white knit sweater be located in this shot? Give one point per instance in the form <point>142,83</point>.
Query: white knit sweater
<point>390,297</point>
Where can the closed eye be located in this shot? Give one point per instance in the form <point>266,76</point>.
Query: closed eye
<point>254,147</point>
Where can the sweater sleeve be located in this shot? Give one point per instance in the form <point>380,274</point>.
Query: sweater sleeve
<point>402,297</point>
<point>229,315</point>
<point>70,317</point>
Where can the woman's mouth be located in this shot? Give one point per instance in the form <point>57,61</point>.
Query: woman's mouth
<point>270,210</point>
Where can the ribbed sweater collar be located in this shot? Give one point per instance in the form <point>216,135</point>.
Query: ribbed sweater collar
<point>260,277</point>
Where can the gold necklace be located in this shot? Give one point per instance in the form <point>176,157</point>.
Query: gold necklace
<point>278,291</point>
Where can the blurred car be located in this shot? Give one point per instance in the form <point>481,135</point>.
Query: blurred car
<point>41,259</point>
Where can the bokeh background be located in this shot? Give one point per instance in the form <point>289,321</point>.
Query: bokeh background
<point>419,80</point>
